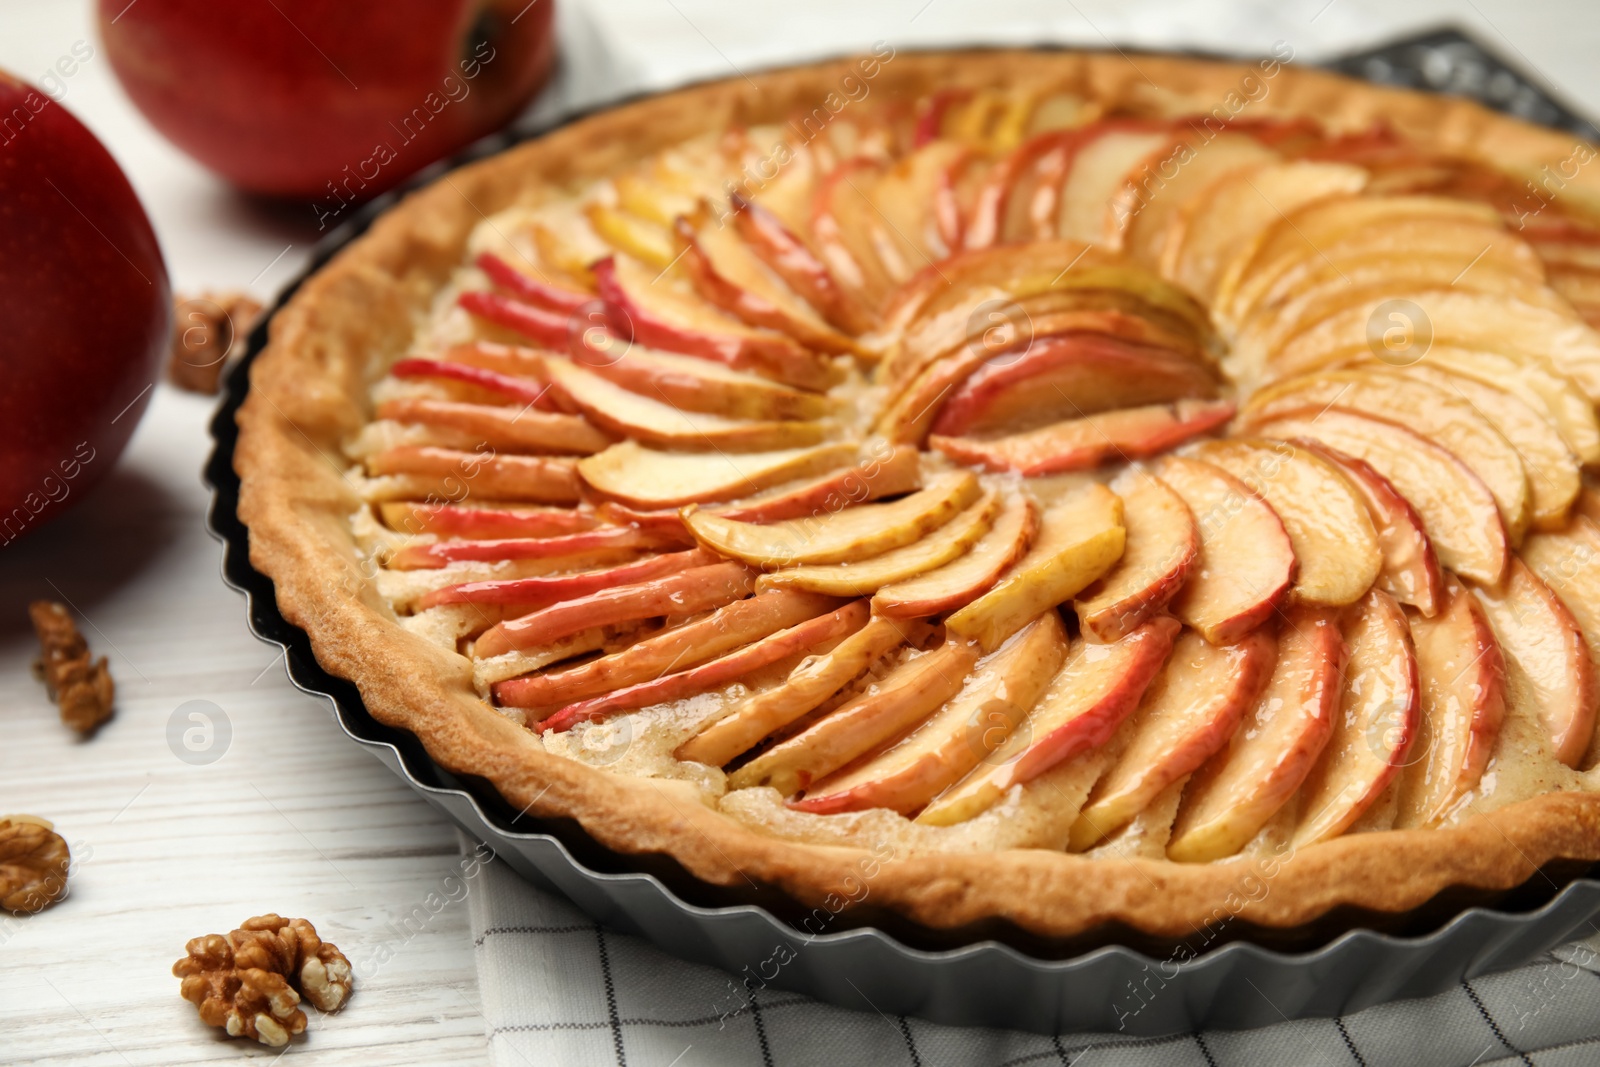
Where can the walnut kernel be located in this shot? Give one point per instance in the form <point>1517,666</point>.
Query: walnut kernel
<point>209,328</point>
<point>81,686</point>
<point>250,982</point>
<point>33,864</point>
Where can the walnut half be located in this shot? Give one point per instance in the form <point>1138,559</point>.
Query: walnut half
<point>33,864</point>
<point>80,685</point>
<point>251,981</point>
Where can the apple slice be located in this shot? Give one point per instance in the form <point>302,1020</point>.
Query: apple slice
<point>647,478</point>
<point>1153,199</point>
<point>1463,705</point>
<point>1335,545</point>
<point>658,316</point>
<point>793,261</point>
<point>1067,377</point>
<point>1378,716</point>
<point>692,384</point>
<point>558,298</point>
<point>1445,418</point>
<point>551,329</point>
<point>543,590</point>
<point>646,241</point>
<point>963,580</point>
<point>898,701</point>
<point>861,252</point>
<point>854,533</point>
<point>628,414</point>
<point>1188,715</point>
<point>918,198</point>
<point>999,694</point>
<point>500,427</point>
<point>451,474</point>
<point>1410,571</point>
<point>718,672</point>
<point>811,683</point>
<point>456,520</point>
<point>1539,637</point>
<point>1163,544</point>
<point>605,538</point>
<point>1460,513</point>
<point>1096,689</point>
<point>534,390</point>
<point>865,577</point>
<point>1246,563</point>
<point>1098,170</point>
<point>1274,748</point>
<point>1569,563</point>
<point>1082,444</point>
<point>1080,539</point>
<point>683,593</point>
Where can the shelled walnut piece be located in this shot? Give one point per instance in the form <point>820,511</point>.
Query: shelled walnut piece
<point>208,327</point>
<point>81,686</point>
<point>250,982</point>
<point>33,864</point>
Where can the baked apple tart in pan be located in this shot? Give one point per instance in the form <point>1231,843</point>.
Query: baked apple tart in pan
<point>1088,492</point>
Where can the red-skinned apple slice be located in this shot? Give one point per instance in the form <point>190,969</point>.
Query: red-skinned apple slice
<point>693,384</point>
<point>506,427</point>
<point>1163,544</point>
<point>965,579</point>
<point>1188,715</point>
<point>552,329</point>
<point>539,291</point>
<point>679,648</point>
<point>546,589</point>
<point>851,237</point>
<point>646,478</point>
<point>1246,563</point>
<point>1096,689</point>
<point>793,261</point>
<point>918,199</point>
<point>540,479</point>
<point>683,593</point>
<point>1082,444</point>
<point>1373,730</point>
<point>718,672</point>
<point>999,693</point>
<point>1539,637</point>
<point>1153,199</point>
<point>538,392</point>
<point>1463,677</point>
<point>901,699</point>
<point>455,520</point>
<point>1098,169</point>
<point>1569,563</point>
<point>1274,748</point>
<point>1080,539</point>
<point>612,538</point>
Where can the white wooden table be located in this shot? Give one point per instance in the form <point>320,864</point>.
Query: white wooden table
<point>290,816</point>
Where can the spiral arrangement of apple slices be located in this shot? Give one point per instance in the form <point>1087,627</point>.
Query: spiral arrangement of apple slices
<point>1003,473</point>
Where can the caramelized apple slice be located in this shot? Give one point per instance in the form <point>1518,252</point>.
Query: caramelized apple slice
<point>422,470</point>
<point>854,533</point>
<point>1246,561</point>
<point>1187,715</point>
<point>1463,705</point>
<point>863,254</point>
<point>1539,637</point>
<point>460,520</point>
<point>1335,546</point>
<point>963,580</point>
<point>718,672</point>
<point>900,700</point>
<point>1096,689</point>
<point>864,577</point>
<point>546,589</point>
<point>1080,444</point>
<point>811,683</point>
<point>684,593</point>
<point>529,386</point>
<point>504,428</point>
<point>999,693</point>
<point>1460,513</point>
<point>792,260</point>
<point>647,478</point>
<point>602,539</point>
<point>1274,748</point>
<point>1080,539</point>
<point>693,384</point>
<point>1162,547</point>
<point>1372,733</point>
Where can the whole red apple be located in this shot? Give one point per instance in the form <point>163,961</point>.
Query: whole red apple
<point>85,309</point>
<point>327,100</point>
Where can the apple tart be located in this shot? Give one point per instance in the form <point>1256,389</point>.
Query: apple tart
<point>1099,493</point>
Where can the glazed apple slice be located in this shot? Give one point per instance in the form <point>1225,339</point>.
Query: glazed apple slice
<point>1188,715</point>
<point>1445,418</point>
<point>808,686</point>
<point>792,260</point>
<point>686,592</point>
<point>1463,677</point>
<point>651,422</point>
<point>854,533</point>
<point>1081,444</point>
<point>963,580</point>
<point>1246,563</point>
<point>410,471</point>
<point>861,252</point>
<point>602,539</point>
<point>559,298</point>
<point>1079,540</point>
<point>1539,637</point>
<point>656,315</point>
<point>692,384</point>
<point>1163,544</point>
<point>1459,512</point>
<point>865,577</point>
<point>898,701</point>
<point>718,672</point>
<point>1410,571</point>
<point>1096,689</point>
<point>1373,731</point>
<point>1274,748</point>
<point>534,389</point>
<point>546,589</point>
<point>461,520</point>
<point>504,428</point>
<point>647,478</point>
<point>972,725</point>
<point>1335,545</point>
<point>1067,377</point>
